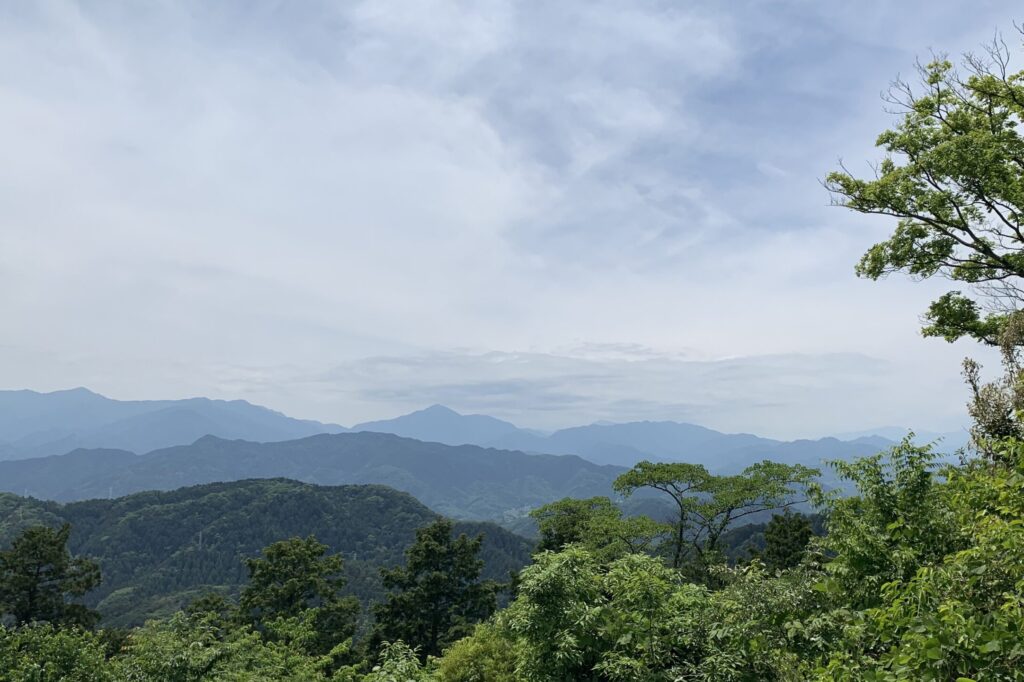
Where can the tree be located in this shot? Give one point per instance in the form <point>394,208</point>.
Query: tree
<point>897,522</point>
<point>437,597</point>
<point>38,576</point>
<point>595,523</point>
<point>785,540</point>
<point>190,648</point>
<point>954,612</point>
<point>578,619</point>
<point>296,578</point>
<point>44,653</point>
<point>708,505</point>
<point>953,177</point>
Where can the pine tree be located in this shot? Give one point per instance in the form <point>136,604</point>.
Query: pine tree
<point>293,578</point>
<point>785,540</point>
<point>38,575</point>
<point>437,596</point>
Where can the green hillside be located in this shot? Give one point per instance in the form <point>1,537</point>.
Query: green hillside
<point>158,550</point>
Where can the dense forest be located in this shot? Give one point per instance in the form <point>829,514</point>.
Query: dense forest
<point>916,573</point>
<point>159,550</point>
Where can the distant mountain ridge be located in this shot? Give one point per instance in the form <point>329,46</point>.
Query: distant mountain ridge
<point>464,481</point>
<point>440,424</point>
<point>625,444</point>
<point>40,424</point>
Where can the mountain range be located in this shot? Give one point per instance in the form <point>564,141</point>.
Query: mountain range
<point>464,481</point>
<point>159,550</point>
<point>41,424</point>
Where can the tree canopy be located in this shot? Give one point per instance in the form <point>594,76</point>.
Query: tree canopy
<point>953,177</point>
<point>437,596</point>
<point>708,505</point>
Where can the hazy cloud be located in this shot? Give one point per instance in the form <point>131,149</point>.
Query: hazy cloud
<point>502,205</point>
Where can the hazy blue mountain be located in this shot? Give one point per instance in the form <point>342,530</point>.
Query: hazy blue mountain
<point>626,444</point>
<point>159,550</point>
<point>813,453</point>
<point>947,440</point>
<point>439,424</point>
<point>39,424</point>
<point>460,481</point>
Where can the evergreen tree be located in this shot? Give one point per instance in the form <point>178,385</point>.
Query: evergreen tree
<point>785,540</point>
<point>437,596</point>
<point>295,578</point>
<point>38,575</point>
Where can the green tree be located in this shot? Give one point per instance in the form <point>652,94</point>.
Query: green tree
<point>398,663</point>
<point>437,597</point>
<point>897,522</point>
<point>488,655</point>
<point>44,653</point>
<point>38,576</point>
<point>578,619</point>
<point>708,505</point>
<point>595,523</point>
<point>557,616</point>
<point>785,540</point>
<point>190,649</point>
<point>953,177</point>
<point>296,578</point>
<point>957,610</point>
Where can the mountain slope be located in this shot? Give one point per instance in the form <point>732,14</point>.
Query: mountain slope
<point>627,443</point>
<point>459,481</point>
<point>158,550</point>
<point>39,424</point>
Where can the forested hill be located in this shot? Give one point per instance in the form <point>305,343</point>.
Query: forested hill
<point>459,481</point>
<point>158,550</point>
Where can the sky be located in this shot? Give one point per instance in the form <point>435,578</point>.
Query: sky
<point>554,213</point>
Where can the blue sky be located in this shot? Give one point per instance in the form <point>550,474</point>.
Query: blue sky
<point>551,212</point>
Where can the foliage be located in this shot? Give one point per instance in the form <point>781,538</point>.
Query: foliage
<point>899,521</point>
<point>38,575</point>
<point>184,649</point>
<point>961,616</point>
<point>556,615</point>
<point>159,551</point>
<point>296,578</point>
<point>708,505</point>
<point>398,663</point>
<point>44,653</point>
<point>437,597</point>
<point>488,655</point>
<point>953,178</point>
<point>786,538</point>
<point>595,523</point>
<point>632,619</point>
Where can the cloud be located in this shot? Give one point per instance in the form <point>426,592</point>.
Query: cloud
<point>222,199</point>
<point>790,395</point>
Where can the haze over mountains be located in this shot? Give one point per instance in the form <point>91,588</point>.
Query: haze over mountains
<point>41,424</point>
<point>463,466</point>
<point>463,481</point>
